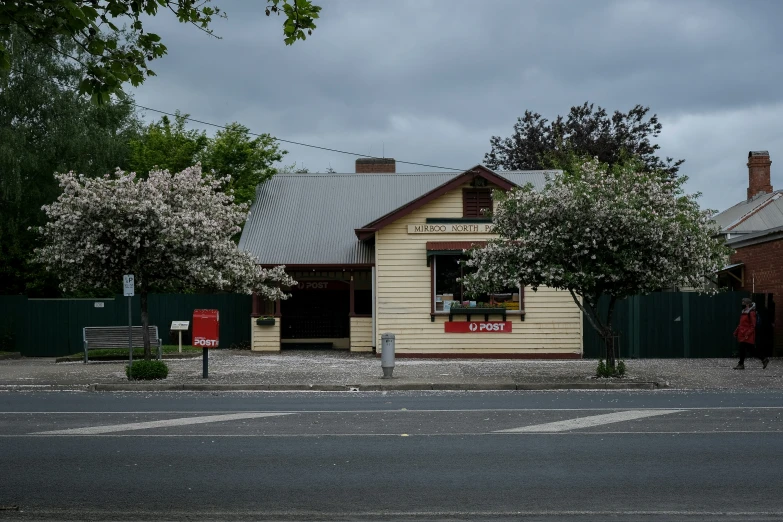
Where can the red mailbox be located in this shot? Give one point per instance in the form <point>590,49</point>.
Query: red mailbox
<point>206,328</point>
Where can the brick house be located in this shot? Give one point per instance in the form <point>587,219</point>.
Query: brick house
<point>754,229</point>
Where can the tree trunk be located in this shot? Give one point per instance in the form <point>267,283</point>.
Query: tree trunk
<point>592,314</point>
<point>608,336</point>
<point>145,323</point>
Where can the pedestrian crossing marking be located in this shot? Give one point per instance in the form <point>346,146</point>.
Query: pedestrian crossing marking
<point>186,421</point>
<point>588,422</point>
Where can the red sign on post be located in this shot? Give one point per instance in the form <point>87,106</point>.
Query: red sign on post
<point>206,328</point>
<point>478,326</point>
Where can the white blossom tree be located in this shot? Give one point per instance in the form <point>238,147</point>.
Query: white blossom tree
<point>595,231</point>
<point>172,231</point>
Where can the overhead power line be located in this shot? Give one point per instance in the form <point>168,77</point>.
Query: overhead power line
<point>296,142</point>
<point>188,118</point>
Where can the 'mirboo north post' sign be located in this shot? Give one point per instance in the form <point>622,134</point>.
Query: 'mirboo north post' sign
<point>451,228</point>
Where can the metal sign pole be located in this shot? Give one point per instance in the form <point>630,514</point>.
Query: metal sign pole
<point>130,338</point>
<point>180,341</point>
<point>128,287</point>
<point>205,364</point>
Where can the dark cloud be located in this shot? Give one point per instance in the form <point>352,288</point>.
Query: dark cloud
<point>431,81</point>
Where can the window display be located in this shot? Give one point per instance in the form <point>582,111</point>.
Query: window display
<point>450,293</point>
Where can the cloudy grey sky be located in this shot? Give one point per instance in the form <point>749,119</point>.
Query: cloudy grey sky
<point>432,81</point>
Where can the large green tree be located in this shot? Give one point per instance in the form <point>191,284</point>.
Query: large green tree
<point>248,161</point>
<point>169,145</point>
<point>588,131</point>
<point>111,57</point>
<point>47,126</point>
<point>166,145</point>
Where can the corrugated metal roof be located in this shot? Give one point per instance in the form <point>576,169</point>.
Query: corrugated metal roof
<point>769,216</point>
<point>732,215</point>
<point>729,267</point>
<point>308,219</point>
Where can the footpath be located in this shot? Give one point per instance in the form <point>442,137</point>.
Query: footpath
<point>323,370</point>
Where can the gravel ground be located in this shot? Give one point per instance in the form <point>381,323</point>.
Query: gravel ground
<point>333,367</point>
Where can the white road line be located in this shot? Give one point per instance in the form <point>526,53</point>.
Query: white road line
<point>386,515</point>
<point>435,514</point>
<point>395,435</point>
<point>588,422</point>
<point>396,410</point>
<point>98,430</point>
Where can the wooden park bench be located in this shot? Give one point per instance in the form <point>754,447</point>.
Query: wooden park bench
<point>116,338</point>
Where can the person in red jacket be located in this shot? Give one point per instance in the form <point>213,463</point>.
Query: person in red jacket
<point>746,334</point>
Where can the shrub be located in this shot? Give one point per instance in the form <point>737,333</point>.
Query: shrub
<point>147,370</point>
<point>605,371</point>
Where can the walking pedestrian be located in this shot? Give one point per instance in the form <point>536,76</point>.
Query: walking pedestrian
<point>746,334</point>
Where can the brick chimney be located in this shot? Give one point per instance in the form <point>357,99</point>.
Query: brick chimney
<point>759,179</point>
<point>376,166</point>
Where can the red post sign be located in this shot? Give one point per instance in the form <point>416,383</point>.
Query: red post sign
<point>206,328</point>
<point>322,285</point>
<point>478,326</point>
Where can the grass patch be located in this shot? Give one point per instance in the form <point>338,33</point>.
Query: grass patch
<point>6,353</point>
<point>137,352</point>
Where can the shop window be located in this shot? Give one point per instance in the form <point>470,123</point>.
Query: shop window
<point>476,202</point>
<point>448,269</point>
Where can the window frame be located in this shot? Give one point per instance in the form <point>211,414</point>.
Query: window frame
<point>475,192</point>
<point>433,290</point>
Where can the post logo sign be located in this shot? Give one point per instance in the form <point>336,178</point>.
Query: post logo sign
<point>322,285</point>
<point>477,326</point>
<point>205,343</point>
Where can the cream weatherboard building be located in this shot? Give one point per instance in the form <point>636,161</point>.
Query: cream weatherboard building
<point>376,251</point>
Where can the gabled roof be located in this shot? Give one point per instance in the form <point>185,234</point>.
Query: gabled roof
<point>731,218</point>
<point>469,175</point>
<point>309,219</point>
<point>767,216</point>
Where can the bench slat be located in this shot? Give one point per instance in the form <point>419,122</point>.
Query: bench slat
<point>116,337</point>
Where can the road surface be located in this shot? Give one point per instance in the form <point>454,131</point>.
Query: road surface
<point>662,455</point>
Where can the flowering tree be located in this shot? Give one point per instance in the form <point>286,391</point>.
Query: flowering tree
<point>599,231</point>
<point>172,231</point>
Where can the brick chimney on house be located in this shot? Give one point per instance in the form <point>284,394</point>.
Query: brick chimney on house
<point>759,177</point>
<point>376,166</point>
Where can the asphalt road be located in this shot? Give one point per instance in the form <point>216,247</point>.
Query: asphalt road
<point>395,456</point>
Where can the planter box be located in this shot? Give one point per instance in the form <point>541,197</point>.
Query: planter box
<point>486,312</point>
<point>265,321</point>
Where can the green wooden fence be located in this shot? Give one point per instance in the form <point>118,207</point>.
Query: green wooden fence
<point>53,327</point>
<point>670,325</point>
<point>667,324</point>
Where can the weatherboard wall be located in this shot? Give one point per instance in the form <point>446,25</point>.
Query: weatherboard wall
<point>265,338</point>
<point>552,325</point>
<point>361,334</point>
